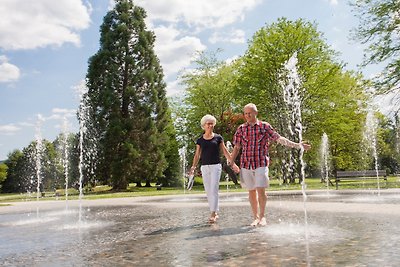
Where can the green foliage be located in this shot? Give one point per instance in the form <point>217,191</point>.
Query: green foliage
<point>209,90</point>
<point>389,158</point>
<point>3,172</point>
<point>331,99</point>
<point>128,106</point>
<point>379,27</point>
<point>339,104</point>
<point>15,172</point>
<point>67,156</point>
<point>23,172</point>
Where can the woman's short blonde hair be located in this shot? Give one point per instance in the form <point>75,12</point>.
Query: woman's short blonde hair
<point>207,118</point>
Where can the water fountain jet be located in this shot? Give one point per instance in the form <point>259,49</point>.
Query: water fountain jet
<point>324,151</point>
<point>370,135</point>
<point>39,155</point>
<point>291,85</point>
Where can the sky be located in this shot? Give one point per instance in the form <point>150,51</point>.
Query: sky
<point>45,46</point>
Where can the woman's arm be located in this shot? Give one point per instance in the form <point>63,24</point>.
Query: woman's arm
<point>196,159</point>
<point>225,151</point>
<point>234,154</point>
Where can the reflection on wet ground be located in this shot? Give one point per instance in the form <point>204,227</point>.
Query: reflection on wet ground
<point>339,230</point>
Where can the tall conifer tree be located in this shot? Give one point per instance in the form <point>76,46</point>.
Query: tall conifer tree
<point>128,101</point>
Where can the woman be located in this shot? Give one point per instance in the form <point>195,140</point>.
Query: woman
<point>208,148</point>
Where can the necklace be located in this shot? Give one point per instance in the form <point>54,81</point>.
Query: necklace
<point>208,136</point>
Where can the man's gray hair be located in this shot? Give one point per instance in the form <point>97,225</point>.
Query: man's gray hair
<point>207,118</point>
<point>252,106</point>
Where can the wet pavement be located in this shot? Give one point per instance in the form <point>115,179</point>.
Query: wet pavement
<point>328,229</point>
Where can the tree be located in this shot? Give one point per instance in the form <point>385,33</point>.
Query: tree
<point>326,90</point>
<point>388,157</point>
<point>3,172</point>
<point>210,90</point>
<point>380,27</point>
<point>170,176</point>
<point>127,99</point>
<point>67,156</point>
<point>20,168</point>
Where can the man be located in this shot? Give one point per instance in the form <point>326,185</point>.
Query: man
<point>253,138</point>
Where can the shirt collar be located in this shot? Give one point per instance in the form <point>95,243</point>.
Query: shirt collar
<point>256,123</point>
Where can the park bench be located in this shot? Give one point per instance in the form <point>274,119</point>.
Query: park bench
<point>356,176</point>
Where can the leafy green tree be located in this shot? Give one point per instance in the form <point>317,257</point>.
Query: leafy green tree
<point>22,174</point>
<point>51,169</point>
<point>3,172</point>
<point>67,156</point>
<point>324,86</point>
<point>20,169</point>
<point>379,27</point>
<point>388,158</point>
<point>340,104</point>
<point>127,99</point>
<point>74,154</point>
<point>209,90</point>
<point>171,175</point>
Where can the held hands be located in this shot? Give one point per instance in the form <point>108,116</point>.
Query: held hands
<point>234,167</point>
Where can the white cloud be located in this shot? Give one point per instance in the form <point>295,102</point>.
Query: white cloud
<point>333,2</point>
<point>174,88</point>
<point>9,129</point>
<point>8,72</point>
<point>203,14</point>
<point>26,124</point>
<point>61,114</point>
<point>175,47</point>
<point>39,23</point>
<point>63,111</point>
<point>175,52</point>
<point>388,104</point>
<point>234,36</point>
<point>232,59</point>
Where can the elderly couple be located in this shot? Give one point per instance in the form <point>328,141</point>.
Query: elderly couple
<point>253,138</point>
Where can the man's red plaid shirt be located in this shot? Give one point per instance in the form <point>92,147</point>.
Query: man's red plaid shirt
<point>254,140</point>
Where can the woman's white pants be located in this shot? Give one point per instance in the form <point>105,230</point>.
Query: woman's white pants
<point>211,175</point>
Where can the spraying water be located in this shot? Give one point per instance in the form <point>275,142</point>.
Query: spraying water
<point>65,155</point>
<point>324,150</point>
<point>371,126</point>
<point>82,114</point>
<point>397,142</point>
<point>229,147</point>
<point>39,154</point>
<point>83,121</point>
<point>182,154</point>
<point>291,94</point>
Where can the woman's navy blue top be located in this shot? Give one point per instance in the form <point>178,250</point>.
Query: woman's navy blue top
<point>210,149</point>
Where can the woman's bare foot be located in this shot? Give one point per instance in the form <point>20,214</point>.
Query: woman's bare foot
<point>213,218</point>
<point>255,222</point>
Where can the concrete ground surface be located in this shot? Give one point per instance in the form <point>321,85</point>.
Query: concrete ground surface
<point>325,228</point>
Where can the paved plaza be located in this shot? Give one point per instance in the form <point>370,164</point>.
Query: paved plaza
<point>328,228</point>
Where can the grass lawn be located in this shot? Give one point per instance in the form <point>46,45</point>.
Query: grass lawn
<point>133,191</point>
